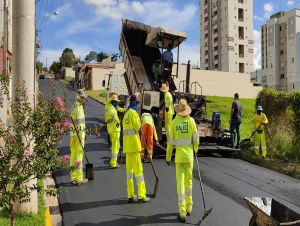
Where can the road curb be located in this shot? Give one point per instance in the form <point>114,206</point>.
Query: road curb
<point>96,100</point>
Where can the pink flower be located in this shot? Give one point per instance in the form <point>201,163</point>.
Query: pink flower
<point>57,125</point>
<point>67,125</point>
<point>77,164</point>
<point>66,158</point>
<point>59,104</point>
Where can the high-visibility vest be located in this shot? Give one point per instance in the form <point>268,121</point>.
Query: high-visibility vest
<point>112,119</point>
<point>131,125</point>
<point>184,136</point>
<point>147,119</point>
<point>258,119</point>
<point>169,103</point>
<point>78,117</point>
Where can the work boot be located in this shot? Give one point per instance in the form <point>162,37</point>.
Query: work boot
<point>181,219</point>
<point>144,200</point>
<point>131,200</point>
<point>115,167</point>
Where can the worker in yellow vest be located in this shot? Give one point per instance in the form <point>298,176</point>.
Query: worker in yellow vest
<point>260,120</point>
<point>147,132</point>
<point>77,152</point>
<point>132,147</point>
<point>184,136</point>
<point>113,128</point>
<point>168,105</point>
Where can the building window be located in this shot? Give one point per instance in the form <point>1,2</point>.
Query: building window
<point>281,52</point>
<point>280,28</point>
<point>293,86</point>
<point>241,33</point>
<point>292,59</point>
<point>281,75</point>
<point>241,1</point>
<point>241,67</point>
<point>216,66</point>
<point>241,51</point>
<point>241,14</point>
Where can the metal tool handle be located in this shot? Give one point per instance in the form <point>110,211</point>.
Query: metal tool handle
<point>199,175</point>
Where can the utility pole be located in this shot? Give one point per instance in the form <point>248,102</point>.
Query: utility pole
<point>23,24</point>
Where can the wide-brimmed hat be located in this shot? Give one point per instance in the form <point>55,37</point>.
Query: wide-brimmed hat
<point>182,108</point>
<point>81,93</point>
<point>164,87</point>
<point>112,93</point>
<point>114,97</point>
<point>259,108</point>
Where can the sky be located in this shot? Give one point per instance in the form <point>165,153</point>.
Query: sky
<point>86,25</point>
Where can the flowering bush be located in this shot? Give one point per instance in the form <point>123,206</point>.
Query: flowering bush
<point>28,146</point>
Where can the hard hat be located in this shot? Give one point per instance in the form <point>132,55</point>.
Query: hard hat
<point>259,108</point>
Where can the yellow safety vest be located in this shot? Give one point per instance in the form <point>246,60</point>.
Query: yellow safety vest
<point>78,117</point>
<point>169,103</point>
<point>147,119</point>
<point>131,125</point>
<point>184,135</point>
<point>258,119</point>
<point>112,119</point>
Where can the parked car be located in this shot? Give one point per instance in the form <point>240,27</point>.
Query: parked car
<point>42,76</point>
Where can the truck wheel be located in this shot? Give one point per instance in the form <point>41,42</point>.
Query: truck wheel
<point>252,221</point>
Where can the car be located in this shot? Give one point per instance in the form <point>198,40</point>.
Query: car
<point>42,76</point>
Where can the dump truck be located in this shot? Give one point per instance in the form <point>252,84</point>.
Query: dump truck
<point>141,47</point>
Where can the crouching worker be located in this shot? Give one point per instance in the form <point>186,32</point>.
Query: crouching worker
<point>147,133</point>
<point>183,134</point>
<point>132,147</point>
<point>77,135</point>
<point>260,121</point>
<point>113,128</point>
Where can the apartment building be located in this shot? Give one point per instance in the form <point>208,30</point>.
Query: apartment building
<point>227,35</point>
<point>280,51</point>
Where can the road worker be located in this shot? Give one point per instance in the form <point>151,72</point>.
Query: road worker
<point>147,132</point>
<point>113,128</point>
<point>183,134</point>
<point>119,109</point>
<point>168,105</point>
<point>260,120</point>
<point>132,148</point>
<point>77,151</point>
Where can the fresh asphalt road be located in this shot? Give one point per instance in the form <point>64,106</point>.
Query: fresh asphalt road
<point>104,200</point>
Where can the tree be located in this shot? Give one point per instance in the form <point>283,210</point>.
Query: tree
<point>67,58</point>
<point>39,65</point>
<point>102,55</point>
<point>55,67</point>
<point>91,56</point>
<point>28,150</point>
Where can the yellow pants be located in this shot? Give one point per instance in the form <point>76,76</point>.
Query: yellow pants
<point>260,142</point>
<point>76,155</point>
<point>134,167</point>
<point>184,179</point>
<point>115,147</point>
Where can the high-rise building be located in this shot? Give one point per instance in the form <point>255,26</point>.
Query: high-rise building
<point>227,35</point>
<point>280,51</point>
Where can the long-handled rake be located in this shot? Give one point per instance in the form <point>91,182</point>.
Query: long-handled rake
<point>248,139</point>
<point>206,212</point>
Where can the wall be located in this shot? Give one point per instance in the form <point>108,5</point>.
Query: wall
<point>97,76</point>
<point>218,83</point>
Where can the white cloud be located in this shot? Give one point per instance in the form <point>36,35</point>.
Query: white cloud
<point>290,2</point>
<point>268,9</point>
<point>257,49</point>
<point>258,18</point>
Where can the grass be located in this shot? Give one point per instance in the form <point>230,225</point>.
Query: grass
<point>27,219</point>
<point>98,95</point>
<point>223,105</point>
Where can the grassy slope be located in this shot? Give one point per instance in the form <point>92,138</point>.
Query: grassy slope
<point>99,95</point>
<point>27,219</point>
<point>223,105</point>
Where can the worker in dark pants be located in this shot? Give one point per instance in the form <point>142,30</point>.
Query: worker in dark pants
<point>236,120</point>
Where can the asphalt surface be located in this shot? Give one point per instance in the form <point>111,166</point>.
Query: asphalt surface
<point>104,200</point>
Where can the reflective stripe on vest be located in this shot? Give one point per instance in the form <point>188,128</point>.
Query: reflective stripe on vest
<point>129,132</point>
<point>195,136</point>
<point>129,176</point>
<point>183,141</point>
<point>181,198</point>
<point>171,141</point>
<point>139,179</point>
<point>188,191</point>
<point>114,156</point>
<point>79,121</point>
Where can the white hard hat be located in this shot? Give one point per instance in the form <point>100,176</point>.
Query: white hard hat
<point>259,108</point>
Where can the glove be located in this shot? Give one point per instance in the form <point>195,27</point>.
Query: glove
<point>169,163</point>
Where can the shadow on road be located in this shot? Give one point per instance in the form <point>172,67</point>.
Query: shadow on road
<point>137,220</point>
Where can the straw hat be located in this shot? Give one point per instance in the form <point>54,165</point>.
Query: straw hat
<point>114,96</point>
<point>112,93</point>
<point>81,93</point>
<point>164,88</point>
<point>182,108</point>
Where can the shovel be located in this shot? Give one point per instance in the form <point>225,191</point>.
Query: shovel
<point>248,139</point>
<point>89,168</point>
<point>206,212</point>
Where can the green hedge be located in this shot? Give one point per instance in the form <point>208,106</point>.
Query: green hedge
<point>283,111</point>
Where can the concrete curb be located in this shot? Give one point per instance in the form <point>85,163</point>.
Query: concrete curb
<point>52,214</point>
